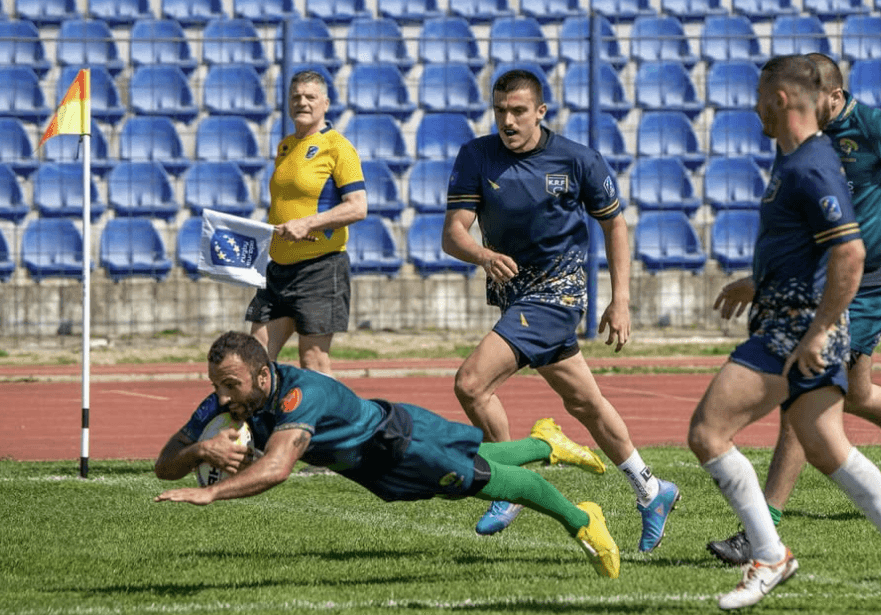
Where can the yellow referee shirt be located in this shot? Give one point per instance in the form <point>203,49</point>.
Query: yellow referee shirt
<point>311,175</point>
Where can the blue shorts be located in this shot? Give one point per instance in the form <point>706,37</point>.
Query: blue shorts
<point>865,321</point>
<point>540,333</point>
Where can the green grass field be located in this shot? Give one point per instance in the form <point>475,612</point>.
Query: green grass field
<point>323,544</point>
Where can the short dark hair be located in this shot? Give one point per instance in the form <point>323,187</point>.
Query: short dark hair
<point>246,347</point>
<point>519,79</point>
<point>796,74</point>
<point>309,76</point>
<point>830,75</point>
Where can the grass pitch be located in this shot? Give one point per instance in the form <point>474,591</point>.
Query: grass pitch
<point>323,544</point>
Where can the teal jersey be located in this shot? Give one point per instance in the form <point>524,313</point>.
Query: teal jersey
<point>856,136</point>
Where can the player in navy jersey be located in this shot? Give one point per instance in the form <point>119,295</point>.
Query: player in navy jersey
<point>531,190</point>
<point>807,266</point>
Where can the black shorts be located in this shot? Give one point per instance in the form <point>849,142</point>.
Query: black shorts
<point>315,293</point>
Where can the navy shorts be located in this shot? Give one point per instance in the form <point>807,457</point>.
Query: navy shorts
<point>865,321</point>
<point>540,333</point>
<point>315,293</point>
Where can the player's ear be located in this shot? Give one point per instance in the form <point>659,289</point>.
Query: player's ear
<point>542,110</point>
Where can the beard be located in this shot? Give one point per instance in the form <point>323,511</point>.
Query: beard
<point>245,409</point>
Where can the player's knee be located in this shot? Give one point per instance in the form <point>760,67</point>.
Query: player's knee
<point>466,386</point>
<point>700,439</point>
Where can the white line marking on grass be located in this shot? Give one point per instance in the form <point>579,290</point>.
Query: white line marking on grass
<point>144,395</point>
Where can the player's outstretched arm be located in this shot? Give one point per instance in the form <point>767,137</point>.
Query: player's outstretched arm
<point>181,455</point>
<point>617,315</point>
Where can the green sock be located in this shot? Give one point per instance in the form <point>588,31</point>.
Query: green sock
<point>775,514</point>
<point>515,453</point>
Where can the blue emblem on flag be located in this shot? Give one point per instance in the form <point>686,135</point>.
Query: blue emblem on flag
<point>831,208</point>
<point>232,249</point>
<point>556,184</point>
<point>310,153</point>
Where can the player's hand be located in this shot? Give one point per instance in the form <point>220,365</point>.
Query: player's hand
<point>808,355</point>
<point>223,453</point>
<point>199,497</point>
<point>617,317</point>
<point>735,296</point>
<point>295,230</point>
<point>500,267</point>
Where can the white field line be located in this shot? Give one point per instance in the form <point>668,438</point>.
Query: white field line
<point>143,395</point>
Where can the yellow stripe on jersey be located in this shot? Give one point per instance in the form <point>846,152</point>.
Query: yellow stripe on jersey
<point>600,213</point>
<point>835,233</point>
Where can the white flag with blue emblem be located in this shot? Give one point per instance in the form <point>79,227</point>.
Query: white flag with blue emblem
<point>234,249</point>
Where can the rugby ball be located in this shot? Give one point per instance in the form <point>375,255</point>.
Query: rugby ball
<point>206,474</point>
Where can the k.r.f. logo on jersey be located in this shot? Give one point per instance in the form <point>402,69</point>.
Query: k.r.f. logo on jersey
<point>556,184</point>
<point>831,208</point>
<point>232,249</point>
<point>310,153</point>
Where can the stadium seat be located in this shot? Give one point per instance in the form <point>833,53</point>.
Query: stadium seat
<point>20,44</point>
<point>189,244</point>
<point>799,34</point>
<point>158,89</point>
<point>733,183</point>
<point>424,248</point>
<point>622,10</point>
<point>440,135</point>
<point>22,96</point>
<point>864,77</point>
<point>46,12</point>
<point>161,41</point>
<point>732,84</point>
<point>90,43</point>
<point>7,265</point>
<point>382,189</point>
<point>667,86</point>
<point>58,191</point>
<point>264,11</point>
<point>551,11</point>
<point>379,88</point>
<point>480,11</point>
<point>12,205</point>
<point>535,69</point>
<point>132,247</point>
<point>427,185</point>
<point>335,12</point>
<point>16,149</point>
<point>230,41</point>
<point>666,240</point>
<point>235,89</point>
<point>120,12</point>
<point>221,137</point>
<point>265,199</point>
<point>147,139</point>
<point>68,148</point>
<point>520,39</point>
<point>576,90</point>
<point>669,133</point>
<point>861,37</point>
<point>106,101</point>
<point>730,37</point>
<point>658,39</point>
<point>141,189</point>
<point>451,88</point>
<point>575,35</point>
<point>693,10</point>
<point>219,186</point>
<point>52,247</point>
<point>372,249</point>
<point>733,238</point>
<point>763,10</point>
<point>611,142</point>
<point>409,11</point>
<point>834,10</point>
<point>192,13</point>
<point>378,137</point>
<point>281,91</point>
<point>739,133</point>
<point>377,41</point>
<point>450,39</point>
<point>662,184</point>
<point>313,44</point>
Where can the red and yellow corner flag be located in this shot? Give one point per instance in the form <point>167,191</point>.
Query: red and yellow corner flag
<point>74,115</point>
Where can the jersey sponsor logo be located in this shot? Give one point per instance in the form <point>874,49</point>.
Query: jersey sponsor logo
<point>556,184</point>
<point>848,146</point>
<point>609,187</point>
<point>283,149</point>
<point>492,184</point>
<point>290,401</point>
<point>831,208</point>
<point>523,321</point>
<point>771,190</point>
<point>310,153</point>
<point>232,249</point>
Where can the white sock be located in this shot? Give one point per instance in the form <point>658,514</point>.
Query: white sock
<point>644,484</point>
<point>737,481</point>
<point>860,479</point>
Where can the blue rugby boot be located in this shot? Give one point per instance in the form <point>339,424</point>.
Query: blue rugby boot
<point>654,516</point>
<point>500,515</point>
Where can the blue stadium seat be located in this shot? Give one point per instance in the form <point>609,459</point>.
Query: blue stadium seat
<point>372,248</point>
<point>68,148</point>
<point>575,34</point>
<point>424,248</point>
<point>52,247</point>
<point>264,11</point>
<point>733,238</point>
<point>427,185</point>
<point>106,101</point>
<point>120,12</point>
<point>576,90</point>
<point>382,189</point>
<point>730,37</point>
<point>378,137</point>
<point>667,86</point>
<point>669,133</point>
<point>799,34</point>
<point>660,38</point>
<point>763,10</point>
<point>87,43</point>
<point>409,11</point>
<point>141,189</point>
<point>265,197</point>
<point>219,186</point>
<point>281,91</point>
<point>157,89</point>
<point>551,11</point>
<point>480,11</point>
<point>861,37</point>
<point>740,133</point>
<point>335,12</point>
<point>12,205</point>
<point>192,13</point>
<point>520,39</point>
<point>230,41</point>
<point>450,39</point>
<point>229,137</point>
<point>733,183</point>
<point>835,10</point>
<point>379,88</point>
<point>622,10</point>
<point>7,265</point>
<point>20,44</point>
<point>451,88</point>
<point>611,142</point>
<point>22,96</point>
<point>189,244</point>
<point>662,184</point>
<point>147,139</point>
<point>732,84</point>
<point>16,149</point>
<point>864,77</point>
<point>693,10</point>
<point>535,69</point>
<point>235,89</point>
<point>377,41</point>
<point>46,12</point>
<point>313,44</point>
<point>132,247</point>
<point>58,191</point>
<point>440,135</point>
<point>161,41</point>
<point>666,240</point>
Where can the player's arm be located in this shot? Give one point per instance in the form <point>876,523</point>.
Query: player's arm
<point>458,242</point>
<point>735,296</point>
<point>181,454</point>
<point>617,314</point>
<point>352,208</point>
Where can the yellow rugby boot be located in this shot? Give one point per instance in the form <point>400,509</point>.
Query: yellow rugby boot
<point>598,543</point>
<point>564,450</point>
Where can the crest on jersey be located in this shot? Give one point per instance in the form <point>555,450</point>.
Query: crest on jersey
<point>771,190</point>
<point>310,153</point>
<point>232,249</point>
<point>831,208</point>
<point>609,187</point>
<point>556,184</point>
<point>290,401</point>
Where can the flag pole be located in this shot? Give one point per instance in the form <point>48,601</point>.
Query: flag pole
<point>87,300</point>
